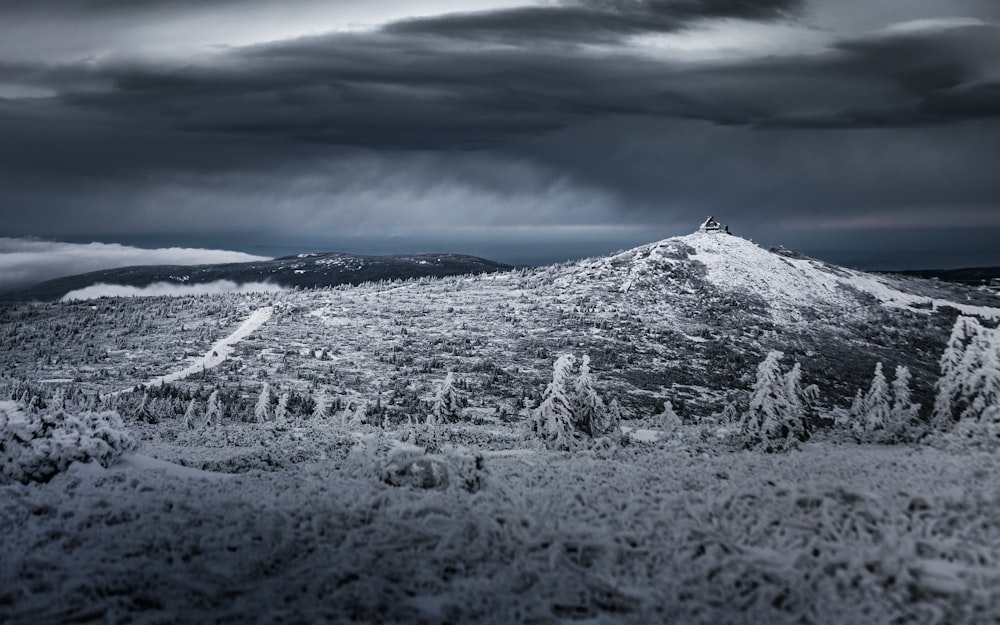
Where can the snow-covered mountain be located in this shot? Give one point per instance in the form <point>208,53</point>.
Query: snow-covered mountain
<point>686,318</point>
<point>313,270</point>
<point>792,286</point>
<point>367,453</point>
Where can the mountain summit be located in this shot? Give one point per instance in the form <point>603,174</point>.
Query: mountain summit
<point>791,286</point>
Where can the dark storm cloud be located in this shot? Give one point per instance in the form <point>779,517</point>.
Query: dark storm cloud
<point>88,7</point>
<point>590,20</point>
<point>500,117</point>
<point>408,92</point>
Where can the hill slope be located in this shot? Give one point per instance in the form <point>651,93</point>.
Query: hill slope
<point>302,271</point>
<point>685,319</point>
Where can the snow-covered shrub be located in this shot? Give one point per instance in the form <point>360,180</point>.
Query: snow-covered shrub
<point>775,420</point>
<point>405,464</point>
<point>34,447</point>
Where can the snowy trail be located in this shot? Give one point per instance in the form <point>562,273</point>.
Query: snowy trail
<point>218,352</point>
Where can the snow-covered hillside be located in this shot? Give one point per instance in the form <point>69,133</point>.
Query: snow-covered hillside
<point>372,453</point>
<point>791,285</point>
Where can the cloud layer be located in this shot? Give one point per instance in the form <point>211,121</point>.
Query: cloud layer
<point>167,289</point>
<point>24,262</point>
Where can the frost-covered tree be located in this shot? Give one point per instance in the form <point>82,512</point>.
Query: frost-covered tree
<point>447,407</point>
<point>903,415</point>
<point>281,410</point>
<point>877,405</point>
<point>262,411</point>
<point>772,423</point>
<point>957,364</point>
<point>359,415</point>
<point>189,415</point>
<point>800,401</point>
<point>885,413</point>
<point>213,410</point>
<point>590,414</point>
<point>668,420</point>
<point>552,420</point>
<point>320,404</point>
<point>983,385</point>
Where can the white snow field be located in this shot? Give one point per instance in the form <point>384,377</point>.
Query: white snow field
<point>286,472</point>
<point>829,534</point>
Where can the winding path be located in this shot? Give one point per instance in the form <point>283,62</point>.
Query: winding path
<point>218,352</point>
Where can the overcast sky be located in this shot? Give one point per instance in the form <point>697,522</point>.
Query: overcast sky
<point>862,131</point>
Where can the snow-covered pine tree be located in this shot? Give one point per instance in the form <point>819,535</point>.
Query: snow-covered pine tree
<point>982,387</point>
<point>954,371</point>
<point>281,410</point>
<point>769,424</point>
<point>798,398</point>
<point>262,411</point>
<point>876,408</point>
<point>213,410</point>
<point>552,420</point>
<point>668,420</point>
<point>903,414</point>
<point>58,401</point>
<point>613,420</point>
<point>447,407</point>
<point>855,415</point>
<point>320,404</point>
<point>590,414</point>
<point>188,419</point>
<point>359,416</point>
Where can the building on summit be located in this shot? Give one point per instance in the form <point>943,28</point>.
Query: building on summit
<point>711,225</point>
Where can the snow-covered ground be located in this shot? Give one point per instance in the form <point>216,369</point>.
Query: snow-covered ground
<point>299,518</point>
<point>643,534</point>
<point>220,350</point>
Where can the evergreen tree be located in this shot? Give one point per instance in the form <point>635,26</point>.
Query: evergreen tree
<point>262,411</point>
<point>281,410</point>
<point>799,400</point>
<point>590,414</point>
<point>447,407</point>
<point>770,424</point>
<point>213,410</point>
<point>983,386</point>
<point>903,414</point>
<point>321,404</point>
<point>856,415</point>
<point>552,420</point>
<point>877,407</point>
<point>668,419</point>
<point>955,363</point>
<point>359,416</point>
<point>189,414</point>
